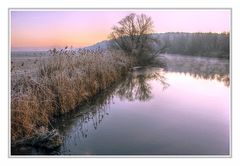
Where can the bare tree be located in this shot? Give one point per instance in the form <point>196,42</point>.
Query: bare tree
<point>133,35</point>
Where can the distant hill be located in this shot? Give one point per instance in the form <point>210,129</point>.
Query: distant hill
<point>102,45</point>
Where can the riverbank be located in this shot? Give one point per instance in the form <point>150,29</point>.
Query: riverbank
<point>45,88</point>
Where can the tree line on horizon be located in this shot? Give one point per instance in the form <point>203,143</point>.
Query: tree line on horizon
<point>207,44</point>
<point>196,44</point>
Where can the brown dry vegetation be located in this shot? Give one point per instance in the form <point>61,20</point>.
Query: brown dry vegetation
<point>58,84</point>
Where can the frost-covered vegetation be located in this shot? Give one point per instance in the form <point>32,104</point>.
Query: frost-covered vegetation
<point>44,88</point>
<point>196,44</point>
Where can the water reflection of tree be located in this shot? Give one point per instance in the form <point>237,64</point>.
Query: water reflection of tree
<point>220,78</point>
<point>136,85</point>
<point>200,67</point>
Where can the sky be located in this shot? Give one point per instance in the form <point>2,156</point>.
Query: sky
<point>50,29</point>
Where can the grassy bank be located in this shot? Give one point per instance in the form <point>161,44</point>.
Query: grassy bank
<point>57,84</point>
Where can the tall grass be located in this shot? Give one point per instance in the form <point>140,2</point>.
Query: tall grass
<point>62,82</point>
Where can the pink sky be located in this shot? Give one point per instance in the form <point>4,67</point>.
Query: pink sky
<point>47,29</point>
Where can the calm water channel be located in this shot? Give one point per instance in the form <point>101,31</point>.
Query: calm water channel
<point>183,109</point>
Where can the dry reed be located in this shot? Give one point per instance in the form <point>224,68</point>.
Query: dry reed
<point>62,82</point>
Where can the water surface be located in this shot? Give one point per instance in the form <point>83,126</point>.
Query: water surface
<point>183,109</point>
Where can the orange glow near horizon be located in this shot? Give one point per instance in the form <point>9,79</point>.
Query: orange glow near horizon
<point>57,41</point>
<point>58,38</point>
<point>48,29</point>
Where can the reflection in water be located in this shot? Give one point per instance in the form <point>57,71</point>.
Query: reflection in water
<point>199,67</point>
<point>92,113</point>
<point>136,85</point>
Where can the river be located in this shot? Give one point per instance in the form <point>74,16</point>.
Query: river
<point>182,109</point>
